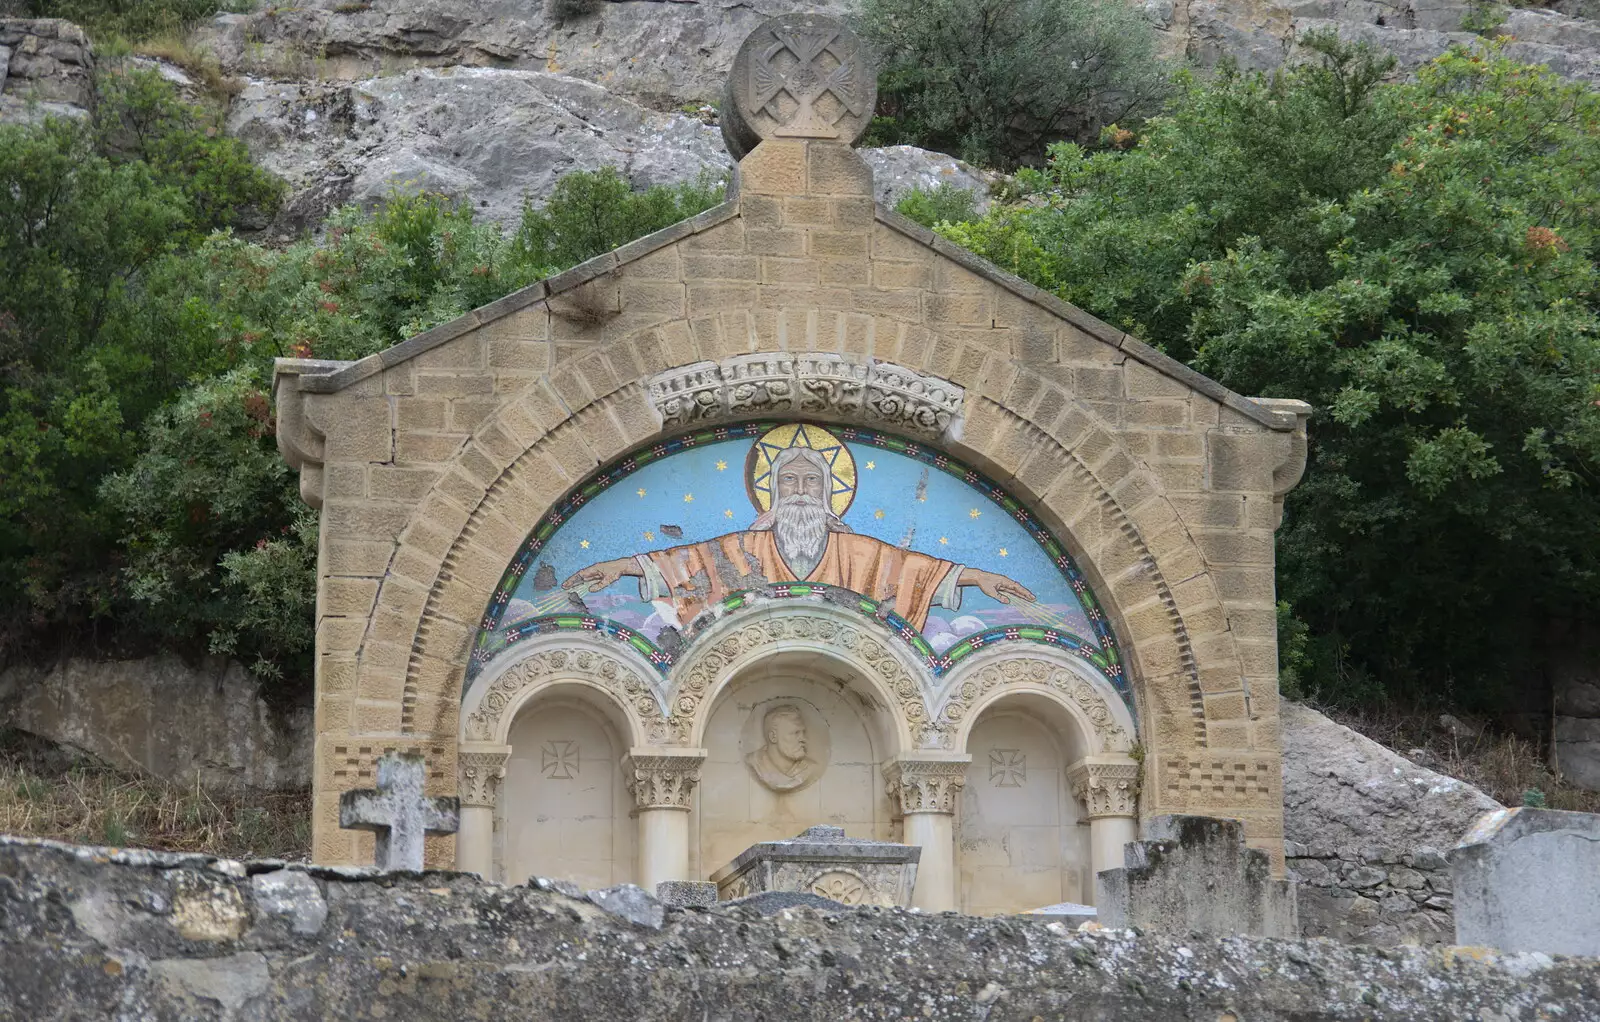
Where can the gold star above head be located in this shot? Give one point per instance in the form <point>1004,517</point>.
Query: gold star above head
<point>583,543</point>
<point>878,513</point>
<point>649,537</point>
<point>728,513</point>
<point>640,491</point>
<point>944,541</point>
<point>721,465</point>
<point>872,464</point>
<point>974,513</point>
<point>1002,551</point>
<point>688,498</point>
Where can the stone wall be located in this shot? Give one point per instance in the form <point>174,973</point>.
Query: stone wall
<point>46,67</point>
<point>184,722</point>
<point>1373,895</point>
<point>95,933</point>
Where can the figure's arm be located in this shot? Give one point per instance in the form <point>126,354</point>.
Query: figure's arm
<point>994,586</point>
<point>597,576</point>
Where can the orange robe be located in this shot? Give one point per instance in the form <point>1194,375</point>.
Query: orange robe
<point>696,575</point>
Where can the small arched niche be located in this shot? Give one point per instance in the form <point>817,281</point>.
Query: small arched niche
<point>1022,839</point>
<point>564,806</point>
<point>793,739</point>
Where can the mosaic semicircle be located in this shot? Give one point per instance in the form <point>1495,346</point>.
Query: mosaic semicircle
<point>667,540</point>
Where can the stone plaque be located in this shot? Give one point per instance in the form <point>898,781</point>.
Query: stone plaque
<point>798,76</point>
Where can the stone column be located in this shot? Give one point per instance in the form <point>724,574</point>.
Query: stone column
<point>479,769</point>
<point>662,782</point>
<point>1109,787</point>
<point>924,793</point>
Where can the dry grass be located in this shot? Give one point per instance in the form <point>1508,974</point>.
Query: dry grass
<point>47,794</point>
<point>1512,770</point>
<point>202,65</point>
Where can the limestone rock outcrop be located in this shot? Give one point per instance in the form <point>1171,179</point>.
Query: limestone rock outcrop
<point>204,722</point>
<point>46,67</point>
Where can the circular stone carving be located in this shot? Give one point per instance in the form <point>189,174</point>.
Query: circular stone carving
<point>786,744</point>
<point>845,888</point>
<point>798,76</point>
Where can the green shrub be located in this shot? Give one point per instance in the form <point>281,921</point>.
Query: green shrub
<point>1418,261</point>
<point>944,204</point>
<point>130,19</point>
<point>992,80</point>
<point>591,213</point>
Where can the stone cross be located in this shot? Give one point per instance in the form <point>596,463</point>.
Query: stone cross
<point>398,812</point>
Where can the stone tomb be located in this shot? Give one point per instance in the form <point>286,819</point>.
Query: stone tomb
<point>794,514</point>
<point>822,861</point>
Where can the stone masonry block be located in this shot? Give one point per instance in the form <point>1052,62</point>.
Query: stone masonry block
<point>888,275</point>
<point>888,244</point>
<point>775,167</point>
<point>790,241</point>
<point>721,266</point>
<point>356,557</point>
<point>836,169</point>
<point>416,448</point>
<point>1240,462</point>
<point>348,597</point>
<point>777,270</point>
<point>362,431</point>
<point>725,237</point>
<point>807,212</point>
<point>390,482</point>
<point>463,352</point>
<point>844,244</point>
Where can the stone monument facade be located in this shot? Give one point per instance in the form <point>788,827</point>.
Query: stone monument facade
<point>794,514</point>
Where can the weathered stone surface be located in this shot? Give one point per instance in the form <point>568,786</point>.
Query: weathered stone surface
<point>162,716</point>
<point>46,68</point>
<point>664,52</point>
<point>398,812</point>
<point>81,938</point>
<point>631,902</point>
<point>1341,790</point>
<point>822,861</point>
<point>292,896</point>
<point>898,169</point>
<point>1195,873</point>
<point>683,893</point>
<point>486,135</point>
<point>1342,897</point>
<point>1529,880</point>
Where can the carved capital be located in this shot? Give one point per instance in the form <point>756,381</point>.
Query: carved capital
<point>1107,786</point>
<point>924,785</point>
<point>662,779</point>
<point>823,384</point>
<point>479,770</point>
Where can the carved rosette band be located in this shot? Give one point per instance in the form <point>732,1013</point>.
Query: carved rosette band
<point>925,786</point>
<point>479,773</point>
<point>822,384</point>
<point>663,782</point>
<point>1106,787</point>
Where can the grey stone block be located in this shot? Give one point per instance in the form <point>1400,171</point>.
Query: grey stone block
<point>1529,880</point>
<point>290,895</point>
<point>632,903</point>
<point>686,893</point>
<point>1196,874</point>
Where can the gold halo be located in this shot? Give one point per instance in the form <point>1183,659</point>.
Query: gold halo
<point>758,464</point>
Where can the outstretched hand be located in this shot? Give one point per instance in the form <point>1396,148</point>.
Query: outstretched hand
<point>598,576</point>
<point>996,587</point>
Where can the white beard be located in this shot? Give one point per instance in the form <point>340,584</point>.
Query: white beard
<point>800,525</point>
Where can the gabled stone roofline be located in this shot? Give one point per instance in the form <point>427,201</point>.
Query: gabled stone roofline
<point>323,376</point>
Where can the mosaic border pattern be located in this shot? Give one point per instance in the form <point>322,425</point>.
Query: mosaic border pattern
<point>1104,652</point>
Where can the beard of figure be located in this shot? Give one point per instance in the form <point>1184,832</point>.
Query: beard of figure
<point>800,525</point>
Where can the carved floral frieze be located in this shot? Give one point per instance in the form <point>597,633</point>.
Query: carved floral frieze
<point>1110,736</point>
<point>821,384</point>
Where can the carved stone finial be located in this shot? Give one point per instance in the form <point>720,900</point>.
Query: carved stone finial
<point>798,76</point>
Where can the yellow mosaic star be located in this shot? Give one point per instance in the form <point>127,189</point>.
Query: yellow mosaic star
<point>974,513</point>
<point>872,464</point>
<point>640,491</point>
<point>1002,551</point>
<point>878,513</point>
<point>649,537</point>
<point>688,498</point>
<point>583,543</point>
<point>728,513</point>
<point>944,541</point>
<point>721,465</point>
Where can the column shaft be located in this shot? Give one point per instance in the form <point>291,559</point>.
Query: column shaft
<point>475,841</point>
<point>663,781</point>
<point>663,846</point>
<point>936,872</point>
<point>479,770</point>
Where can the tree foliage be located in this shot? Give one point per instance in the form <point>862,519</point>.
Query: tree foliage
<point>144,500</point>
<point>1419,262</point>
<point>992,80</point>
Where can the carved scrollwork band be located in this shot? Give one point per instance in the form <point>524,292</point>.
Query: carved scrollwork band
<point>480,771</point>
<point>663,782</point>
<point>823,383</point>
<point>1108,787</point>
<point>1110,736</point>
<point>925,786</point>
<point>487,722</point>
